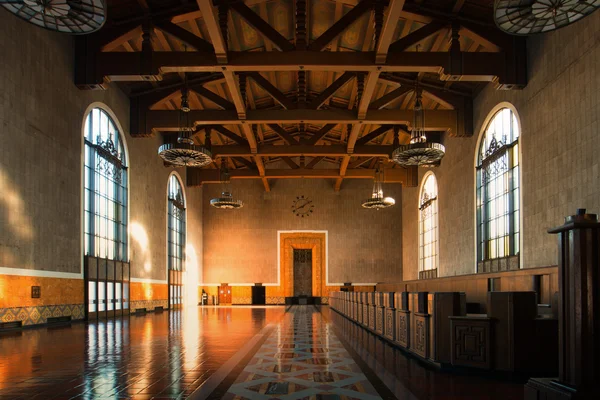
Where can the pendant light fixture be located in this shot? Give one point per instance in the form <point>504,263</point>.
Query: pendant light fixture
<point>226,200</point>
<point>66,16</point>
<point>526,17</point>
<point>185,153</point>
<point>377,200</point>
<point>419,151</point>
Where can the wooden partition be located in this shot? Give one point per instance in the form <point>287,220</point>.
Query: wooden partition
<point>543,280</point>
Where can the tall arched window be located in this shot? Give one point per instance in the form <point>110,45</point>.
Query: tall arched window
<point>105,188</point>
<point>176,225</point>
<point>497,181</point>
<point>428,228</point>
<point>175,240</point>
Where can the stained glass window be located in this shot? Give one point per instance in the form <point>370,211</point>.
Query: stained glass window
<point>498,185</point>
<point>428,225</point>
<point>176,225</point>
<point>105,188</point>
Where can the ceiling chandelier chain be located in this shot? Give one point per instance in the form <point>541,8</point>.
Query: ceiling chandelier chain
<point>185,153</point>
<point>377,200</point>
<point>418,151</point>
<point>226,201</point>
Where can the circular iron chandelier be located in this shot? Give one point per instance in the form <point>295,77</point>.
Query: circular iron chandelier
<point>525,17</point>
<point>226,201</point>
<point>185,153</point>
<point>68,16</point>
<point>377,200</point>
<point>419,151</point>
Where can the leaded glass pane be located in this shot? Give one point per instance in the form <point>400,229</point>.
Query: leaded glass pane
<point>497,189</point>
<point>428,225</point>
<point>105,188</point>
<point>176,225</point>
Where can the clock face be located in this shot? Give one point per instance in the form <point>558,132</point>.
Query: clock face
<point>302,206</point>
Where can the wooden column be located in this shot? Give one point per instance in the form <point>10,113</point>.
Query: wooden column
<point>578,314</point>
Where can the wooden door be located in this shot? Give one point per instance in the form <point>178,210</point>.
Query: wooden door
<point>225,294</point>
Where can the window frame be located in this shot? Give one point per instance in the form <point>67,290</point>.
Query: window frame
<point>511,150</point>
<point>435,243</point>
<point>90,235</point>
<point>180,227</point>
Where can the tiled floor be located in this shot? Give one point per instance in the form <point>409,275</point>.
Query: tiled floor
<point>225,352</point>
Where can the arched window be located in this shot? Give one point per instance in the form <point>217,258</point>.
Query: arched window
<point>105,188</point>
<point>175,241</point>
<point>176,225</point>
<point>428,228</point>
<point>498,182</point>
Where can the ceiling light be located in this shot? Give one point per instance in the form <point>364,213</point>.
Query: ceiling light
<point>185,153</point>
<point>419,151</point>
<point>75,17</point>
<point>226,201</point>
<point>377,200</point>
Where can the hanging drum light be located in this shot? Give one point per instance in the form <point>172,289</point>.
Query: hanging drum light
<point>185,153</point>
<point>76,17</point>
<point>377,200</point>
<point>226,200</point>
<point>419,151</point>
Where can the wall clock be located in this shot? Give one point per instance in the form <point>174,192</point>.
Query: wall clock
<point>302,206</point>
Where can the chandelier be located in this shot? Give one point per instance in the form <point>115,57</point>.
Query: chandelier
<point>377,200</point>
<point>185,153</point>
<point>67,16</point>
<point>525,17</point>
<point>419,151</point>
<point>226,200</point>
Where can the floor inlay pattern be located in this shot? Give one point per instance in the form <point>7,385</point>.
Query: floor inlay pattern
<point>302,359</point>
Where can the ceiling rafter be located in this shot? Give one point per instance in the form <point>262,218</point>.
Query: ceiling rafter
<point>261,26</point>
<point>389,97</point>
<point>282,133</point>
<point>229,134</point>
<point>290,162</point>
<point>184,36</point>
<point>388,31</point>
<point>271,90</point>
<point>406,176</point>
<point>212,96</point>
<point>340,25</point>
<point>314,162</point>
<point>331,89</point>
<point>374,134</point>
<point>415,37</point>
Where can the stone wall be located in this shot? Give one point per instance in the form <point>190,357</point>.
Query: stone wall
<point>41,117</point>
<point>560,143</point>
<point>240,246</point>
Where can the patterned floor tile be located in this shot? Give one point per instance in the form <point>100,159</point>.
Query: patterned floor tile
<point>302,360</point>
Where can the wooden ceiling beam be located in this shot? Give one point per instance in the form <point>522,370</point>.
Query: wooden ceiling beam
<point>334,150</point>
<point>314,162</point>
<point>389,29</point>
<point>373,134</point>
<point>212,96</point>
<point>229,134</point>
<point>282,133</point>
<point>389,98</point>
<point>367,95</point>
<point>415,37</point>
<point>331,89</point>
<point>314,139</point>
<point>119,37</point>
<point>214,31</point>
<point>341,25</point>
<point>405,176</point>
<point>434,119</point>
<point>359,162</point>
<point>185,36</point>
<point>271,90</point>
<point>290,162</point>
<point>261,26</point>
<point>249,164</point>
<point>124,66</point>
